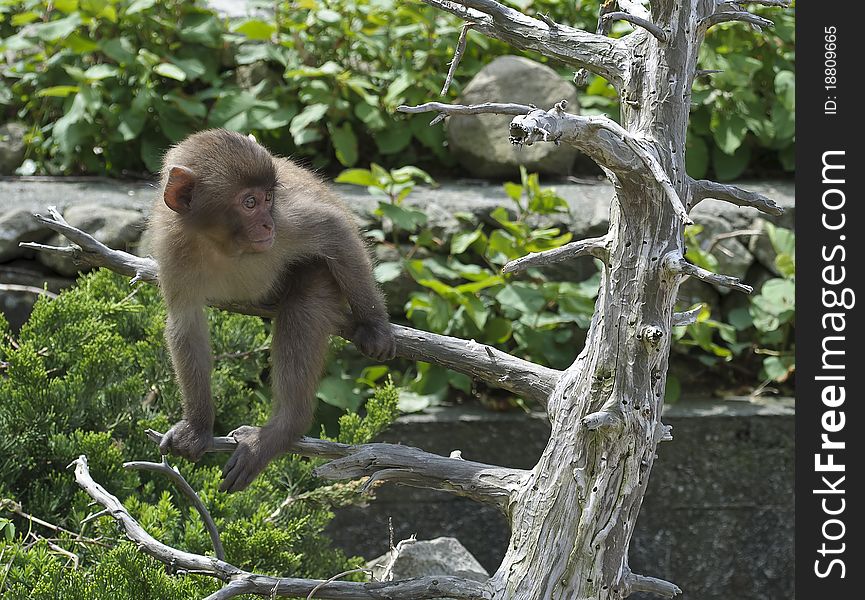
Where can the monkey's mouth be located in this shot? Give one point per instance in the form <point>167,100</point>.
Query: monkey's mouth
<point>262,244</point>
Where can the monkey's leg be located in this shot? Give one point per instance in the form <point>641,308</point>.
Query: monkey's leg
<point>308,313</point>
<point>189,345</point>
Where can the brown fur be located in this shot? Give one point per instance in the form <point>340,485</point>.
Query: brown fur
<point>316,263</point>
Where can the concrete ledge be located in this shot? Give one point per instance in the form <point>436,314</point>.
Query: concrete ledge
<point>717,518</point>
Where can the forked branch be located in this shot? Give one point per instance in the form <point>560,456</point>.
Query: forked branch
<point>600,138</point>
<point>677,264</point>
<point>494,367</point>
<point>178,480</point>
<point>597,53</point>
<point>240,581</point>
<point>656,31</point>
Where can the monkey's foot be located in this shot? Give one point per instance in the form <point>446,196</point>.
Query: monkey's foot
<point>187,440</point>
<point>375,339</point>
<point>256,447</point>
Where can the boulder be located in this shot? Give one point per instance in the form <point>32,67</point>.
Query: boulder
<point>12,146</point>
<point>480,142</point>
<point>18,225</point>
<point>115,227</point>
<point>441,556</point>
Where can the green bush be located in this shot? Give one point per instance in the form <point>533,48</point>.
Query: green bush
<point>108,85</point>
<point>86,375</point>
<point>759,336</point>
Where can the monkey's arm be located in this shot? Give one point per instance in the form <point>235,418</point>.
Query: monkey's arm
<point>348,261</point>
<point>189,345</point>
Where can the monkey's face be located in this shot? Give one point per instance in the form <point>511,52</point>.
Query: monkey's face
<point>252,208</point>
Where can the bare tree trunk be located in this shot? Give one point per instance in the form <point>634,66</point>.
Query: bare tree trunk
<point>573,515</point>
<point>573,518</point>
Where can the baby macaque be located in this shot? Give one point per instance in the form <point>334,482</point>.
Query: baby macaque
<point>235,224</point>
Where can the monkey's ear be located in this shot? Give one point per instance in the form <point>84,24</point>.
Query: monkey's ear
<point>178,190</point>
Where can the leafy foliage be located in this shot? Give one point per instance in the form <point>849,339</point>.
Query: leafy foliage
<point>86,375</point>
<point>761,328</point>
<point>108,85</point>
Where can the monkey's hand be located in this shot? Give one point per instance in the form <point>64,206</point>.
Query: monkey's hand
<point>256,447</point>
<point>375,339</point>
<point>187,440</point>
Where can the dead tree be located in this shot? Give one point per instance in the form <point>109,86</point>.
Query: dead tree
<point>573,514</point>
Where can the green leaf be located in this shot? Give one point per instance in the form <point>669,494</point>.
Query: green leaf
<point>404,218</point>
<point>672,389</point>
<point>80,44</point>
<point>498,330</point>
<point>328,16</point>
<point>730,132</point>
<point>396,88</point>
<point>171,71</point>
<point>461,241</point>
<point>410,173</point>
<point>393,139</point>
<point>55,30</point>
<point>370,116</point>
<point>310,115</point>
<point>120,50</point>
<point>23,18</point>
<point>131,121</point>
<point>138,6</point>
<point>785,89</point>
<point>201,28</point>
<point>729,167</point>
<point>696,157</point>
<point>57,91</point>
<point>344,143</point>
<point>362,177</point>
<point>99,72</point>
<point>338,391</point>
<point>779,368</point>
<point>387,271</point>
<point>256,29</point>
<point>522,298</point>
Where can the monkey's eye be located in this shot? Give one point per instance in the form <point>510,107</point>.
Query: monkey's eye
<point>268,197</point>
<point>249,202</point>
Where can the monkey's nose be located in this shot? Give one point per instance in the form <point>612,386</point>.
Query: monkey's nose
<point>267,226</point>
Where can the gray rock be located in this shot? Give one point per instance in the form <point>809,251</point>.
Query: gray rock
<point>480,142</point>
<point>115,227</point>
<point>12,146</point>
<point>441,556</point>
<point>18,225</point>
<point>18,284</point>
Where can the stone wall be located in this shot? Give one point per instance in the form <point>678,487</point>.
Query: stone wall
<point>717,518</point>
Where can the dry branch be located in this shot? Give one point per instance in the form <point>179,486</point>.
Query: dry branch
<point>677,264</point>
<point>482,362</point>
<point>703,188</point>
<point>596,247</point>
<point>177,479</point>
<point>597,53</point>
<point>687,317</point>
<point>244,582</point>
<point>458,54</point>
<point>396,463</point>
<point>638,22</point>
<point>600,138</point>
